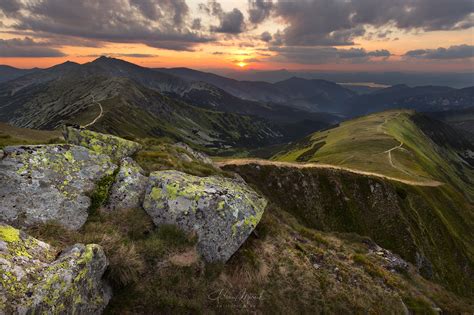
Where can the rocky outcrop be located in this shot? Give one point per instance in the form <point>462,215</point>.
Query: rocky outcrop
<point>49,182</point>
<point>188,154</point>
<point>222,212</point>
<point>129,187</point>
<point>33,281</point>
<point>115,147</point>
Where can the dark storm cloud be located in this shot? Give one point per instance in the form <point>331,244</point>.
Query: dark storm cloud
<point>231,22</point>
<point>266,36</point>
<point>338,22</point>
<point>321,54</point>
<point>157,23</point>
<point>10,6</point>
<point>27,47</point>
<point>259,10</point>
<point>196,25</point>
<point>453,52</point>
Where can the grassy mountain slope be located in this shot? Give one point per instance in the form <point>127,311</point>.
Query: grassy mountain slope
<point>131,110</point>
<point>428,226</point>
<point>462,119</point>
<point>10,135</point>
<point>425,211</point>
<point>391,143</point>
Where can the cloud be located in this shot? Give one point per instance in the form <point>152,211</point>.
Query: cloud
<point>453,52</point>
<point>26,48</point>
<point>196,25</point>
<point>266,37</point>
<point>156,23</point>
<point>338,22</point>
<point>259,10</point>
<point>322,54</point>
<point>116,55</point>
<point>231,22</point>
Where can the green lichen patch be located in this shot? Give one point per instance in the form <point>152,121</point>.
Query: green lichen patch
<point>113,146</point>
<point>31,280</point>
<point>9,234</point>
<point>222,211</point>
<point>49,182</point>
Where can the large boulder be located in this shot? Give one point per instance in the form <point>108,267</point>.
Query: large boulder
<point>115,147</point>
<point>221,211</point>
<point>33,281</point>
<point>129,187</point>
<point>49,182</point>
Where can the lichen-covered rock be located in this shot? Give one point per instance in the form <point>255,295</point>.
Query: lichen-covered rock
<point>115,147</point>
<point>33,281</point>
<point>190,154</point>
<point>49,182</point>
<point>221,211</point>
<point>129,187</point>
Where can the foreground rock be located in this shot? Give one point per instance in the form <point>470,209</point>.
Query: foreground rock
<point>129,187</point>
<point>222,212</point>
<point>49,182</point>
<point>115,147</point>
<point>34,282</point>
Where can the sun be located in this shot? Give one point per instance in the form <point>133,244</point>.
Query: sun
<point>242,64</point>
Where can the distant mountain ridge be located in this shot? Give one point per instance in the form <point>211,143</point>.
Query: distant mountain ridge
<point>326,96</point>
<point>9,73</point>
<point>47,98</point>
<point>420,98</point>
<point>313,95</point>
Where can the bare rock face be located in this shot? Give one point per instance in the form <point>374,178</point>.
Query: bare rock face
<point>33,281</point>
<point>221,211</point>
<point>115,147</point>
<point>49,182</point>
<point>129,187</point>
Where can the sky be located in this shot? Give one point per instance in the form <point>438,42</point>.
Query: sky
<point>329,35</point>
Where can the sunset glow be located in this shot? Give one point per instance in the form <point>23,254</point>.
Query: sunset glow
<point>260,35</point>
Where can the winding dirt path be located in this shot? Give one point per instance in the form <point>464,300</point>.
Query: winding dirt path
<point>237,162</point>
<point>98,117</point>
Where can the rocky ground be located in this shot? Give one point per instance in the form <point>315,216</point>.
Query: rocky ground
<point>104,224</point>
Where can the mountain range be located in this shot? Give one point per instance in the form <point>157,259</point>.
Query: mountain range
<point>204,108</point>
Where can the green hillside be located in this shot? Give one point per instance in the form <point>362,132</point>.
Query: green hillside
<point>397,144</point>
<point>10,135</point>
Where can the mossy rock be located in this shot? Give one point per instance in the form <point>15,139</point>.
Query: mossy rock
<point>33,281</point>
<point>128,189</point>
<point>49,182</point>
<point>115,147</point>
<point>221,211</point>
